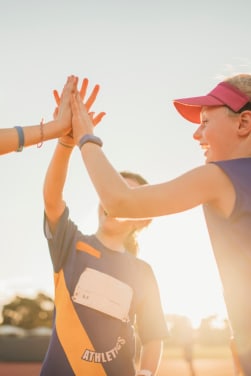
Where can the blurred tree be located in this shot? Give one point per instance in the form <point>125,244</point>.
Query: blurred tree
<point>210,332</point>
<point>29,313</point>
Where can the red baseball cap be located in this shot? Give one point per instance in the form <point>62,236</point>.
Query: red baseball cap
<point>224,94</point>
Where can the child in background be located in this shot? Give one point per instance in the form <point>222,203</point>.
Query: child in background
<point>101,288</point>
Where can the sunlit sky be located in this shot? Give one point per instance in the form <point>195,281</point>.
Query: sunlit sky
<point>143,54</point>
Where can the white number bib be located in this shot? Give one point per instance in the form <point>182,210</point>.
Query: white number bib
<point>103,293</point>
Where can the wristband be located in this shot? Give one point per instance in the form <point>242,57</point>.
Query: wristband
<point>20,133</point>
<point>89,138</point>
<point>144,372</point>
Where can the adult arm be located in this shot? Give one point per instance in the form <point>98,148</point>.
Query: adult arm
<point>35,134</point>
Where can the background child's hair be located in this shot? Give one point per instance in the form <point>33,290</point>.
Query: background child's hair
<point>131,242</point>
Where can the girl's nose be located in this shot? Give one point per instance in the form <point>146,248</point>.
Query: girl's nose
<point>197,133</point>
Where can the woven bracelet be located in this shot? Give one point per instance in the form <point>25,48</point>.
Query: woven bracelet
<point>39,145</point>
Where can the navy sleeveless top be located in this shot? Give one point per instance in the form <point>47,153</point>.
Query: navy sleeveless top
<point>231,242</point>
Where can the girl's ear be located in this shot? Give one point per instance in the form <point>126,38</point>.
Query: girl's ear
<point>245,123</point>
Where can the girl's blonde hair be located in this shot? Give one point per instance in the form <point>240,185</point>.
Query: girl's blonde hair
<point>242,82</point>
<point>131,242</point>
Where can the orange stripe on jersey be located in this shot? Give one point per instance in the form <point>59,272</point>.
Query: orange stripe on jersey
<point>81,246</point>
<point>71,333</point>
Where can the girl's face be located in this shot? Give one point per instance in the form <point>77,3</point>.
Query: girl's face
<point>217,133</point>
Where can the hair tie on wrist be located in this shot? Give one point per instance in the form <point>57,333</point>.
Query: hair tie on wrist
<point>65,145</point>
<point>20,133</point>
<point>39,145</point>
<point>89,138</point>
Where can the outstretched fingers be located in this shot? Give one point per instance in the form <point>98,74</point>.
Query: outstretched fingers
<point>97,119</point>
<point>83,120</point>
<point>82,94</point>
<point>92,97</point>
<point>83,88</point>
<point>63,113</point>
<point>56,97</point>
<point>69,87</point>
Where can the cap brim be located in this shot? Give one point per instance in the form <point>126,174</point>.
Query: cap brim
<point>190,108</point>
<point>224,94</point>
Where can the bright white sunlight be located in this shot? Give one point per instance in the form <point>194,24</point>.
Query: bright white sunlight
<point>143,54</point>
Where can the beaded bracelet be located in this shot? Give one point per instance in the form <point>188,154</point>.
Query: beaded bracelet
<point>39,145</point>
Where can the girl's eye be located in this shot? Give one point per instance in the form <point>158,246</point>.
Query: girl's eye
<point>204,123</point>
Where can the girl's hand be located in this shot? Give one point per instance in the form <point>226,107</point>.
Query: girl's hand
<point>67,140</point>
<point>89,102</point>
<point>62,114</point>
<point>82,121</point>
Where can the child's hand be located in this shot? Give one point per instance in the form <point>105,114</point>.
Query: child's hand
<point>82,122</point>
<point>89,102</point>
<point>67,140</point>
<point>62,114</point>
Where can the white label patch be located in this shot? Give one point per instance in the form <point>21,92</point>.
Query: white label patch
<point>103,293</point>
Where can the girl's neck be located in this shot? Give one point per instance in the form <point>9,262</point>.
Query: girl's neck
<point>114,243</point>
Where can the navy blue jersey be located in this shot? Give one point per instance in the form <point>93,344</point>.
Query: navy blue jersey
<point>85,339</point>
<point>231,242</point>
